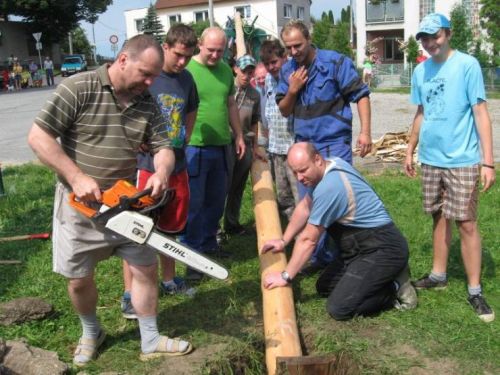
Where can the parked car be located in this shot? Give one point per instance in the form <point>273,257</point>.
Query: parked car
<point>73,64</point>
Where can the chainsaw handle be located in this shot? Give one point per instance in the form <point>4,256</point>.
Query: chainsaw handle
<point>80,206</point>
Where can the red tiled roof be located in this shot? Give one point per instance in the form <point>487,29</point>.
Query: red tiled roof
<point>165,4</point>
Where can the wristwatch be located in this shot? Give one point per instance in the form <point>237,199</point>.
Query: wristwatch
<point>285,276</point>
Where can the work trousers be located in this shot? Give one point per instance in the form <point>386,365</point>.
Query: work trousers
<point>239,170</point>
<point>207,169</point>
<point>360,280</point>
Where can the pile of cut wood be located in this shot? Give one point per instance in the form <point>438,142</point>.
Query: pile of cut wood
<point>391,147</point>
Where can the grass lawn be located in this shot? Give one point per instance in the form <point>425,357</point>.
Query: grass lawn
<point>224,319</point>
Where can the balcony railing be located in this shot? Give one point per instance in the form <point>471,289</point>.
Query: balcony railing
<point>382,11</point>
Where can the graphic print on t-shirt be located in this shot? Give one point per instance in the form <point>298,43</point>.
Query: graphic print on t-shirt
<point>434,98</point>
<point>171,107</point>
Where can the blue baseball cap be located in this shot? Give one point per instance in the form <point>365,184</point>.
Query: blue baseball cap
<point>432,23</point>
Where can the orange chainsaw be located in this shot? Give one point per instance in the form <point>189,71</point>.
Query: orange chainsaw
<point>124,210</point>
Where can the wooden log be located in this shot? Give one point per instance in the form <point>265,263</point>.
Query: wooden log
<point>280,325</point>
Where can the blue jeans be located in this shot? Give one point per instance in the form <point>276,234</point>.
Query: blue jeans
<point>207,169</point>
<point>325,251</point>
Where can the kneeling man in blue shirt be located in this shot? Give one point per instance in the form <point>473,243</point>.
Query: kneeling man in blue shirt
<point>371,274</point>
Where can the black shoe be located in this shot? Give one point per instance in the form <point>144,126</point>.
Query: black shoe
<point>427,283</point>
<point>193,275</point>
<point>237,230</point>
<point>484,312</point>
<point>221,237</point>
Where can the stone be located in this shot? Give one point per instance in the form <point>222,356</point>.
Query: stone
<point>24,309</point>
<point>29,360</point>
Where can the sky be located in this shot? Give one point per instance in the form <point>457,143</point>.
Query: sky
<point>112,22</point>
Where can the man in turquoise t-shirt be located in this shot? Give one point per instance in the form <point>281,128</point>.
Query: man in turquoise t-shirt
<point>209,143</point>
<point>451,121</point>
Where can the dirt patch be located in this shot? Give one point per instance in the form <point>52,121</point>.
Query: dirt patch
<point>185,365</point>
<point>443,366</point>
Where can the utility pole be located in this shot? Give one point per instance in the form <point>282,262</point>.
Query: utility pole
<point>70,42</point>
<point>211,12</point>
<point>351,34</point>
<point>93,36</point>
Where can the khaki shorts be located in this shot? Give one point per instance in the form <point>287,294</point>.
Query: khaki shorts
<point>452,191</point>
<point>79,244</point>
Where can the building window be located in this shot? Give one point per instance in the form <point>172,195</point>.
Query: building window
<point>245,11</point>
<point>287,11</point>
<point>201,16</point>
<point>426,7</point>
<point>176,18</point>
<point>139,24</point>
<point>391,49</point>
<point>300,13</point>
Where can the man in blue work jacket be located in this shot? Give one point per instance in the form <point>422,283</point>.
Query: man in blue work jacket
<point>316,87</point>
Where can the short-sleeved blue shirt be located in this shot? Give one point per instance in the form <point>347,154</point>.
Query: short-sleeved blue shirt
<point>448,91</point>
<point>345,197</point>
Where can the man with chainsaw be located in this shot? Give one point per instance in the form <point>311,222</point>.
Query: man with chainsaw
<point>89,133</point>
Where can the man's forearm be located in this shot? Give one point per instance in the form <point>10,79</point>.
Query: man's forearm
<point>415,129</point>
<point>234,117</point>
<point>164,162</point>
<point>364,112</point>
<point>298,220</point>
<point>287,104</point>
<point>483,125</point>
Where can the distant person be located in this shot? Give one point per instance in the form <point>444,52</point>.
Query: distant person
<point>317,88</point>
<point>48,65</point>
<point>87,164</point>
<point>280,129</point>
<point>371,273</point>
<point>33,68</point>
<point>451,123</point>
<point>175,92</point>
<point>368,70</point>
<point>17,69</point>
<point>10,61</point>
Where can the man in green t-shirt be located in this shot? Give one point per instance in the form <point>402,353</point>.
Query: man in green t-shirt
<point>209,144</point>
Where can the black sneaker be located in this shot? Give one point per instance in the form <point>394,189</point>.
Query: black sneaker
<point>426,283</point>
<point>237,230</point>
<point>193,275</point>
<point>485,313</point>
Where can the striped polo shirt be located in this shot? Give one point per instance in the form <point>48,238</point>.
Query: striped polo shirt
<point>101,136</point>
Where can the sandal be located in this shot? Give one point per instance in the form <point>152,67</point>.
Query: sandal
<point>168,347</point>
<point>87,349</point>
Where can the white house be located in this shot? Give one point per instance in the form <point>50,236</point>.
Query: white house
<point>271,14</point>
<point>392,20</point>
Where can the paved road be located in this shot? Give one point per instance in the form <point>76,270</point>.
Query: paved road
<point>390,113</point>
<point>17,111</point>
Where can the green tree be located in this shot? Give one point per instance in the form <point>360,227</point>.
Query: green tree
<point>198,27</point>
<point>482,57</point>
<point>152,24</point>
<point>412,50</point>
<point>461,37</point>
<point>55,18</point>
<point>338,40</point>
<point>321,31</point>
<point>345,14</point>
<point>330,16</point>
<point>79,41</point>
<point>490,19</point>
